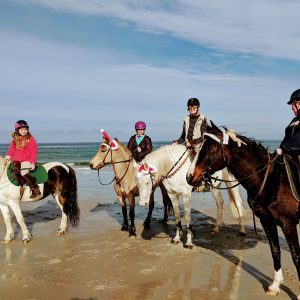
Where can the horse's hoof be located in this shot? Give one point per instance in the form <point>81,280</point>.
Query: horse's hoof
<point>243,234</point>
<point>5,242</point>
<point>214,232</point>
<point>175,242</point>
<point>124,228</point>
<point>190,247</point>
<point>132,234</point>
<point>25,241</point>
<point>271,292</point>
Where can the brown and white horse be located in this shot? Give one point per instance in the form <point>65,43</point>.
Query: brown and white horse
<point>264,177</point>
<point>115,153</point>
<point>62,184</point>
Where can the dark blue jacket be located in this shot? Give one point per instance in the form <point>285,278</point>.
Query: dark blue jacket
<point>291,141</point>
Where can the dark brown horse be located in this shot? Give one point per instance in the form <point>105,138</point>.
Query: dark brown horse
<point>264,177</point>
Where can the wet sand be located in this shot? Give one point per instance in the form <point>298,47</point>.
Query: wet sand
<point>99,261</point>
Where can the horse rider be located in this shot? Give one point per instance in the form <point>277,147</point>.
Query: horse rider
<point>291,142</point>
<point>23,153</point>
<point>194,125</point>
<point>140,144</point>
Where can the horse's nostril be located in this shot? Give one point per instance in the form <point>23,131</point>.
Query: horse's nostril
<point>91,166</point>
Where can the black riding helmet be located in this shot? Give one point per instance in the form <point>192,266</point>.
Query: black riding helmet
<point>193,102</point>
<point>295,96</point>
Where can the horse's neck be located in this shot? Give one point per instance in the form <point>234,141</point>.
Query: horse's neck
<point>244,164</point>
<point>121,168</point>
<point>3,169</point>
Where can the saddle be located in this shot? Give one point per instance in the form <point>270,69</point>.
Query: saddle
<point>15,177</point>
<point>292,166</point>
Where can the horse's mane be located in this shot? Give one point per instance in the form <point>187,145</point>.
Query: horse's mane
<point>123,148</point>
<point>253,146</point>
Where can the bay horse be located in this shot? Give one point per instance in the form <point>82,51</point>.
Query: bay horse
<point>264,177</point>
<point>61,184</point>
<point>169,164</point>
<point>124,182</point>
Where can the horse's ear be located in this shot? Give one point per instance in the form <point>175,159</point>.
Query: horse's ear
<point>214,127</point>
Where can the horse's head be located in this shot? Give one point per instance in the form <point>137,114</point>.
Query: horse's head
<point>108,153</point>
<point>210,158</point>
<point>145,182</point>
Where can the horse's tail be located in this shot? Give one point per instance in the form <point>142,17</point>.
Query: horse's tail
<point>70,207</point>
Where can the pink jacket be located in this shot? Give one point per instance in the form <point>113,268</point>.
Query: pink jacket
<point>28,153</point>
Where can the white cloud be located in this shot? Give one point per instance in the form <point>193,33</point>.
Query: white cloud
<point>62,87</point>
<point>264,27</point>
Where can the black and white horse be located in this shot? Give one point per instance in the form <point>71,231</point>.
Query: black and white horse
<point>61,183</point>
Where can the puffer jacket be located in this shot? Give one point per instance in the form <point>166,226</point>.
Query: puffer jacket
<point>145,146</point>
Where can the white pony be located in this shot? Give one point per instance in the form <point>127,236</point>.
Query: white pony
<point>61,184</point>
<point>170,164</point>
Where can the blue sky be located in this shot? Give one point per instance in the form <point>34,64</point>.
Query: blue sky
<point>71,68</point>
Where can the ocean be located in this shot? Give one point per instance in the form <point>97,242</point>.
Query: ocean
<point>80,154</point>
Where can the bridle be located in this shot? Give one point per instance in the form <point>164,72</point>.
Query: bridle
<point>206,176</point>
<point>103,163</point>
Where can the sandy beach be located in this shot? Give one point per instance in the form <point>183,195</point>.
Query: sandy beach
<point>99,261</point>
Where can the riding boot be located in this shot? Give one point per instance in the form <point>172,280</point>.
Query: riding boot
<point>31,181</point>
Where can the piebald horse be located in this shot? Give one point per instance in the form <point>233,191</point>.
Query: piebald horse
<point>61,184</point>
<point>169,164</point>
<point>264,177</point>
<point>115,153</point>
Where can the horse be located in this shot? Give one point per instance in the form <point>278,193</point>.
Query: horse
<point>169,164</point>
<point>61,183</point>
<point>264,177</point>
<point>124,182</point>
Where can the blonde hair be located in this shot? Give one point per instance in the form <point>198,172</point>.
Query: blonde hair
<point>20,142</point>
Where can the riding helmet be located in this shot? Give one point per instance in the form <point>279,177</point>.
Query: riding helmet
<point>193,102</point>
<point>140,125</point>
<point>21,123</point>
<point>295,96</point>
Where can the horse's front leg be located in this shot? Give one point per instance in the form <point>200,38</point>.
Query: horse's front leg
<point>175,203</point>
<point>7,220</point>
<point>270,229</point>
<point>124,212</point>
<point>187,197</point>
<point>290,232</point>
<point>166,201</point>
<point>131,229</point>
<point>220,203</point>
<point>149,215</point>
<point>14,205</point>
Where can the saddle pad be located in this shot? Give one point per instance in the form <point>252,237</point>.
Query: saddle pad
<point>293,176</point>
<point>39,173</point>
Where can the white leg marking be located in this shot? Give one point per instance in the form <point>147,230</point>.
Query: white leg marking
<point>274,288</point>
<point>63,228</point>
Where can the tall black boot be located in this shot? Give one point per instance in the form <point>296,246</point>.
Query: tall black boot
<point>31,181</point>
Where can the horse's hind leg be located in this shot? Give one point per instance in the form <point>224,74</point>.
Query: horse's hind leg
<point>175,203</point>
<point>20,219</point>
<point>290,232</point>
<point>220,203</point>
<point>7,220</point>
<point>236,205</point>
<point>63,228</point>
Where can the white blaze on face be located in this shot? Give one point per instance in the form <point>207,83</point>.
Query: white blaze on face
<point>193,164</point>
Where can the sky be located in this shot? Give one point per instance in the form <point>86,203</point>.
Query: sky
<point>72,67</point>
